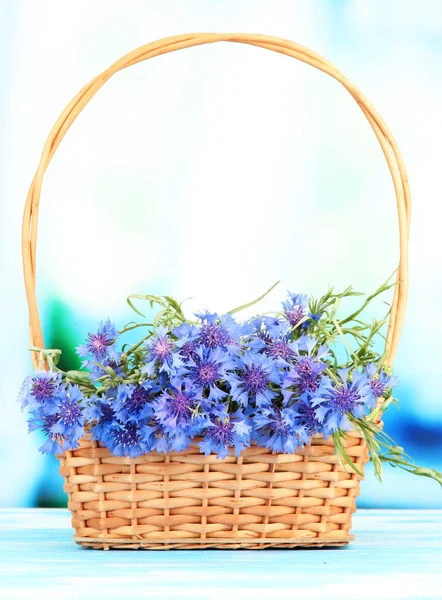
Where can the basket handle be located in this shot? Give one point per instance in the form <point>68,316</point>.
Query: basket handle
<point>171,44</point>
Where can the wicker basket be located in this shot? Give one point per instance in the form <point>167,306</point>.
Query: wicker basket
<point>188,500</point>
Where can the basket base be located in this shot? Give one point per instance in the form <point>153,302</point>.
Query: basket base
<point>201,544</point>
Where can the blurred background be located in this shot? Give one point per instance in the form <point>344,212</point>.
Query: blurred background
<point>212,173</point>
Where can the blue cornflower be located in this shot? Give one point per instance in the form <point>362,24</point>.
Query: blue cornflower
<point>69,404</point>
<point>218,331</point>
<point>305,415</point>
<point>179,441</point>
<point>39,389</point>
<point>100,345</point>
<point>295,308</point>
<point>275,341</point>
<point>223,431</point>
<point>135,402</point>
<point>177,405</point>
<point>124,439</point>
<point>306,374</point>
<point>100,348</point>
<point>252,380</point>
<point>45,422</point>
<point>342,398</point>
<point>100,413</point>
<point>162,438</point>
<point>62,422</point>
<point>70,422</point>
<point>277,429</point>
<point>259,336</point>
<point>187,335</point>
<point>162,354</point>
<point>380,382</point>
<point>207,369</point>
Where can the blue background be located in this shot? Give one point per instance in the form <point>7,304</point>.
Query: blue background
<point>212,173</point>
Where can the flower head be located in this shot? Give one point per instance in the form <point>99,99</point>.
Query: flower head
<point>162,354</point>
<point>252,380</point>
<point>274,338</point>
<point>100,345</point>
<point>306,374</point>
<point>177,405</point>
<point>124,439</point>
<point>343,397</point>
<point>39,389</point>
<point>187,336</point>
<point>304,414</point>
<point>100,413</point>
<point>279,346</point>
<point>218,332</point>
<point>69,404</point>
<point>224,431</point>
<point>45,422</point>
<point>135,402</point>
<point>162,438</point>
<point>277,429</point>
<point>100,348</point>
<point>295,308</point>
<point>380,382</point>
<point>62,421</point>
<point>207,370</point>
<point>259,334</point>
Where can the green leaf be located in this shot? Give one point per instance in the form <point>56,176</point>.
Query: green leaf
<point>377,464</point>
<point>249,304</point>
<point>383,288</point>
<point>335,305</point>
<point>185,300</point>
<point>84,375</point>
<point>345,341</point>
<point>108,370</point>
<point>175,305</point>
<point>158,318</point>
<point>426,472</point>
<point>342,453</point>
<point>133,307</point>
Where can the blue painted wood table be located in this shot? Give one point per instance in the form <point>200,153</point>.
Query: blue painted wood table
<point>397,554</point>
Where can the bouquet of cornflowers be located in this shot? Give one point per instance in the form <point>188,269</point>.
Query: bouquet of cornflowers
<point>274,380</point>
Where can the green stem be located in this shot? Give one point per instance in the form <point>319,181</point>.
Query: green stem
<point>386,286</point>
<point>347,345</point>
<point>137,345</point>
<point>135,326</point>
<point>331,375</point>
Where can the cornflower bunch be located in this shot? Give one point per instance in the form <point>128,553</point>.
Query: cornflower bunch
<point>272,380</point>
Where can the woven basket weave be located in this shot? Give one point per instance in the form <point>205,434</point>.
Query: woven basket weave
<point>188,500</point>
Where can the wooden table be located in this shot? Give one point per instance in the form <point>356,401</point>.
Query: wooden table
<point>397,554</point>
